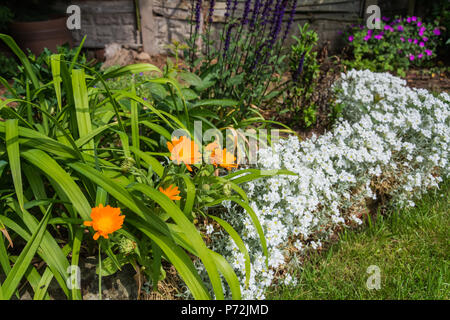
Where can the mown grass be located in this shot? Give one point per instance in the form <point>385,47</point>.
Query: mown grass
<point>411,248</point>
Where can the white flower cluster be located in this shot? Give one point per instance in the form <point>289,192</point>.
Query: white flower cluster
<point>391,140</point>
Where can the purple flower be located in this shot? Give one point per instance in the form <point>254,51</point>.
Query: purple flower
<point>437,32</point>
<point>198,8</point>
<point>422,44</point>
<point>145,99</point>
<point>410,40</point>
<point>428,52</point>
<point>411,57</point>
<point>278,21</point>
<point>256,9</point>
<point>291,19</point>
<point>265,12</point>
<point>246,12</point>
<point>425,39</point>
<point>419,24</point>
<point>402,39</point>
<point>408,20</point>
<point>367,38</point>
<point>400,28</point>
<point>420,56</point>
<point>378,36</point>
<point>227,40</point>
<point>235,3</point>
<point>227,12</point>
<point>212,4</point>
<point>414,19</point>
<point>416,41</point>
<point>298,72</point>
<point>351,38</point>
<point>422,31</point>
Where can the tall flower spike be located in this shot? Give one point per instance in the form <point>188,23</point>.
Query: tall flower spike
<point>198,9</point>
<point>246,12</point>
<point>291,19</point>
<point>212,4</point>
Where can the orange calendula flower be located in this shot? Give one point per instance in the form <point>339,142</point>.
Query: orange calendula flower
<point>172,192</point>
<point>183,150</point>
<point>105,220</point>
<point>220,157</point>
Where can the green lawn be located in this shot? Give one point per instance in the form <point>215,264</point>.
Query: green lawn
<point>411,248</point>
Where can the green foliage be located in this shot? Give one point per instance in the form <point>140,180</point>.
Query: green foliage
<point>8,67</point>
<point>246,61</point>
<point>304,69</point>
<point>400,44</point>
<point>74,139</point>
<point>6,16</point>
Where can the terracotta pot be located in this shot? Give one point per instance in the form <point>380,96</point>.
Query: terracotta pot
<point>41,34</point>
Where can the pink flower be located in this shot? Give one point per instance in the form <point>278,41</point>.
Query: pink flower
<point>428,52</point>
<point>410,40</point>
<point>419,23</point>
<point>414,19</point>
<point>351,38</point>
<point>420,56</point>
<point>425,39</point>
<point>411,57</point>
<point>416,41</point>
<point>408,20</point>
<point>422,31</point>
<point>378,37</point>
<point>366,38</point>
<point>402,39</point>
<point>437,32</point>
<point>400,28</point>
<point>422,44</point>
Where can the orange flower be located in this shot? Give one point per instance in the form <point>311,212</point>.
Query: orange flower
<point>183,150</point>
<point>221,158</point>
<point>105,220</point>
<point>172,192</point>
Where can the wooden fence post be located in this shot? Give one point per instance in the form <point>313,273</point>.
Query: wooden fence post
<point>148,27</point>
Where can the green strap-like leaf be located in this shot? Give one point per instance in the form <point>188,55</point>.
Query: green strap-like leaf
<point>177,257</point>
<point>191,232</point>
<point>12,147</point>
<point>239,243</point>
<point>20,267</point>
<point>82,106</point>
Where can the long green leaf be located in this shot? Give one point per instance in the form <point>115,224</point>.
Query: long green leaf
<point>239,243</point>
<point>189,228</point>
<point>12,147</point>
<point>82,106</point>
<point>21,265</point>
<point>177,257</point>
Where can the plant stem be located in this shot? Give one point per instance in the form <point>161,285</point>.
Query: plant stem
<point>99,272</point>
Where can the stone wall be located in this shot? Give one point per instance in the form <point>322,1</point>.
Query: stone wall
<point>163,21</point>
<point>107,21</point>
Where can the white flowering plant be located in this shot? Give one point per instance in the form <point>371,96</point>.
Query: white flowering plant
<point>391,143</point>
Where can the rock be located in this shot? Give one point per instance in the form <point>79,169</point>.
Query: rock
<point>117,56</point>
<point>143,56</point>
